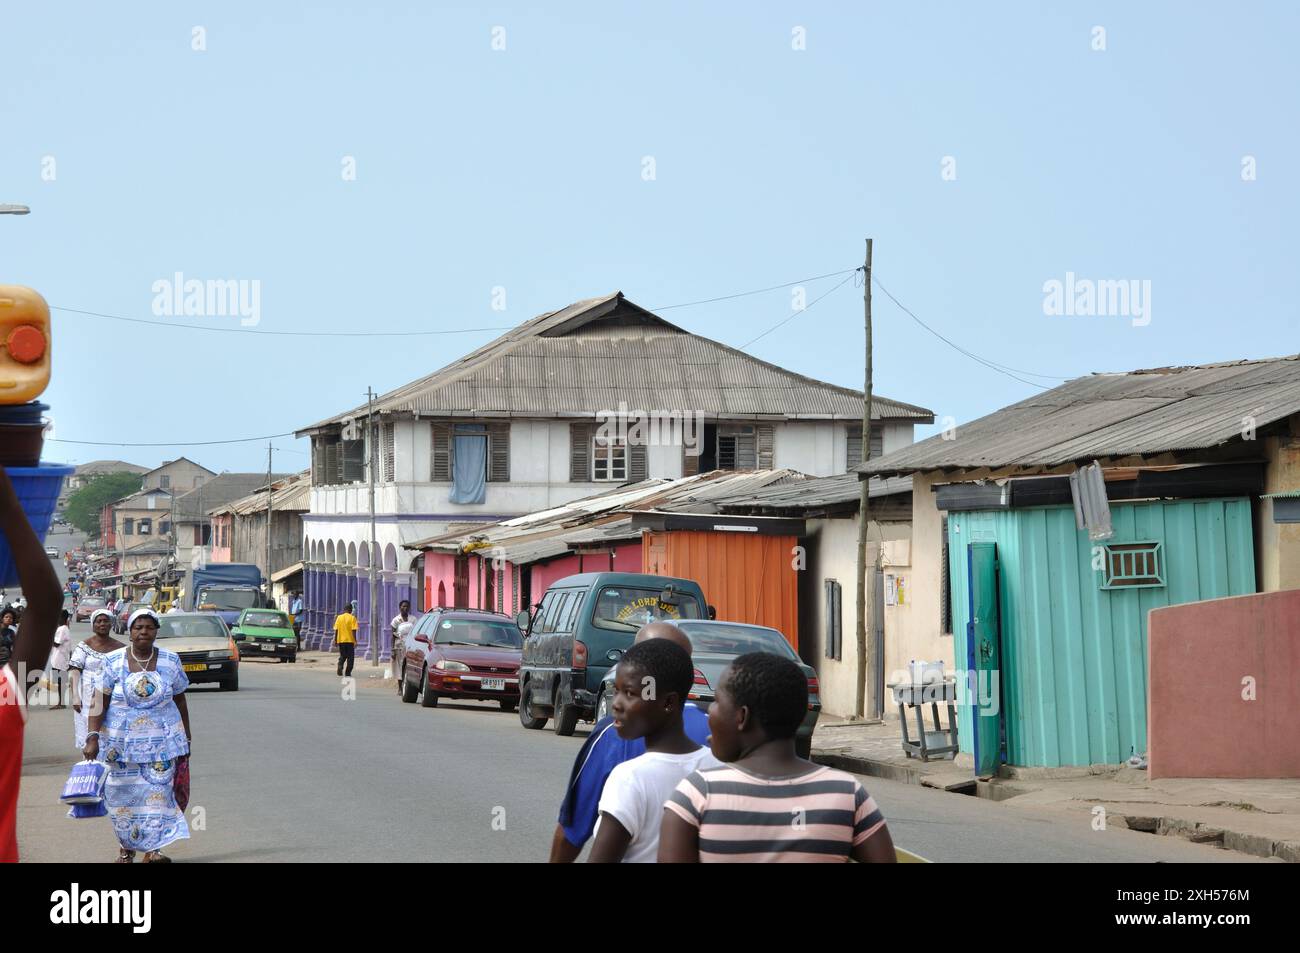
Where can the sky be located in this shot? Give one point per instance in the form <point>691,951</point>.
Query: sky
<point>439,167</point>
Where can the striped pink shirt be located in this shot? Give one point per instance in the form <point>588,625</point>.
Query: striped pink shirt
<point>818,817</point>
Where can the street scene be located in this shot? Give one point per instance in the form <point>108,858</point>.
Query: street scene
<point>432,477</point>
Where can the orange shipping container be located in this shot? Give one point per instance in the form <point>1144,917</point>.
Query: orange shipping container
<point>747,577</point>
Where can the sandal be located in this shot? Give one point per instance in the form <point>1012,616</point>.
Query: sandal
<point>156,857</point>
<point>125,856</point>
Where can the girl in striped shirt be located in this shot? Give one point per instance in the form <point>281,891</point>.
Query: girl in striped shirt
<point>766,804</point>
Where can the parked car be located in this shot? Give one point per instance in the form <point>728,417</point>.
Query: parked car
<point>581,626</point>
<point>461,654</point>
<point>207,651</point>
<point>266,632</point>
<point>52,552</point>
<point>124,610</point>
<point>713,646</point>
<point>87,605</point>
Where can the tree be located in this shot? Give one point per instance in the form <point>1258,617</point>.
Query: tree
<point>86,504</point>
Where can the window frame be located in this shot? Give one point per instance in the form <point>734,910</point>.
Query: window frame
<point>610,444</point>
<point>1138,551</point>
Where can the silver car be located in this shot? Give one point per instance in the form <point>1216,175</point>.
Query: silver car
<point>201,639</point>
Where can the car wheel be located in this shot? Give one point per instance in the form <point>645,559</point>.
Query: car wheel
<point>427,698</point>
<point>602,704</point>
<point>409,692</point>
<point>526,716</point>
<point>507,704</point>
<point>230,684</point>
<point>566,716</point>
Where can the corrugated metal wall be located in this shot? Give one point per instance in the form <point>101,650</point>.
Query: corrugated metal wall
<point>747,577</point>
<point>1074,654</point>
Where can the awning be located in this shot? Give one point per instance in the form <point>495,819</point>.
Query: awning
<point>286,572</point>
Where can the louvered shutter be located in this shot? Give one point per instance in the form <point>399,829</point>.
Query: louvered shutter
<point>440,455</point>
<point>746,451</point>
<point>390,459</point>
<point>499,453</point>
<point>580,453</point>
<point>333,465</point>
<point>353,456</point>
<point>690,462</point>
<point>877,441</point>
<point>854,455</point>
<point>766,446</point>
<point>637,463</point>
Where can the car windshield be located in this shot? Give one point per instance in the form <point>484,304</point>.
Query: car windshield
<point>478,632</point>
<point>627,609</point>
<point>723,639</point>
<point>191,627</point>
<point>266,620</point>
<point>94,601</point>
<point>226,599</point>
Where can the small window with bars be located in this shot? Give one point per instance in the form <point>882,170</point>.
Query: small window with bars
<point>834,620</point>
<point>608,459</point>
<point>1133,566</point>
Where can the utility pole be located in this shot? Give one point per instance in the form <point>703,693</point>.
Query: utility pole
<point>370,467</point>
<point>269,568</point>
<point>866,653</point>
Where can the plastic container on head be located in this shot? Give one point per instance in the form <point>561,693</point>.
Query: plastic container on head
<point>38,491</point>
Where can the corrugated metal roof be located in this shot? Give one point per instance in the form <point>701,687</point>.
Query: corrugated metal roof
<point>217,493</point>
<point>817,494</point>
<point>1115,415</point>
<point>603,352</point>
<point>293,493</point>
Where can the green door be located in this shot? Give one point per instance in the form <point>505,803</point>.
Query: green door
<point>983,655</point>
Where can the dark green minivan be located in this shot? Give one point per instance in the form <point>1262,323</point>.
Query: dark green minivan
<point>581,627</point>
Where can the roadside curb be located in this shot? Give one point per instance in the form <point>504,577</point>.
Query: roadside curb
<point>1168,825</point>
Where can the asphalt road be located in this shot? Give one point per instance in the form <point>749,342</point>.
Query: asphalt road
<point>287,769</point>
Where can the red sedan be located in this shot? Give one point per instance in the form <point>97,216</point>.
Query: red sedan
<point>461,654</point>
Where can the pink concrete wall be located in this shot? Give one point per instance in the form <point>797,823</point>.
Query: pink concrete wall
<point>1205,659</point>
<point>439,568</point>
<point>546,573</point>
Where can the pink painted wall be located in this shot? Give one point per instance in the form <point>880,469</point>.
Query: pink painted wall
<point>439,568</point>
<point>1200,658</point>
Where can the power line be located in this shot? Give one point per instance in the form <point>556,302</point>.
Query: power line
<point>306,334</point>
<point>756,291</point>
<point>806,308</point>
<point>991,365</point>
<point>192,443</point>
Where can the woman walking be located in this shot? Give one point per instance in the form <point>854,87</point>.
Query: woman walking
<point>146,728</point>
<point>57,673</point>
<point>84,670</point>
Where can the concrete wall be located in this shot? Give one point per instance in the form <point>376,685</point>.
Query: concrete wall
<point>1225,688</point>
<point>184,476</point>
<point>1277,553</point>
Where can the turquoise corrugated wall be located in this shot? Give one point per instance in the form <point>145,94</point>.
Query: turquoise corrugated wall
<point>1074,654</point>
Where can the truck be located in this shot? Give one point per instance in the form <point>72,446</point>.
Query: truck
<point>224,588</point>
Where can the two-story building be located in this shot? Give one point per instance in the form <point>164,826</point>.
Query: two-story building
<point>177,476</point>
<point>592,396</point>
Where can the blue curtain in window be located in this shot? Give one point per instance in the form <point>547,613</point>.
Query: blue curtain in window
<point>469,464</point>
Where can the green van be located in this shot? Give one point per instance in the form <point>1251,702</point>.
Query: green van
<point>581,627</point>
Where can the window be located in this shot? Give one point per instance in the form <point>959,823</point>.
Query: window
<point>945,588</point>
<point>145,528</point>
<point>608,459</point>
<point>128,526</point>
<point>1133,566</point>
<point>626,610</point>
<point>164,528</point>
<point>165,482</point>
<point>737,449</point>
<point>854,454</point>
<point>495,452</point>
<point>386,448</point>
<point>834,620</point>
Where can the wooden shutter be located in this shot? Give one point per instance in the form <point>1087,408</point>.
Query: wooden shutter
<point>637,463</point>
<point>877,441</point>
<point>834,620</point>
<point>333,465</point>
<point>854,455</point>
<point>499,453</point>
<point>440,456</point>
<point>580,453</point>
<point>746,449</point>
<point>690,462</point>
<point>766,445</point>
<point>390,461</point>
<point>318,462</point>
<point>353,456</point>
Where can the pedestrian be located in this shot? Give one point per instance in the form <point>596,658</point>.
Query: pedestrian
<point>145,723</point>
<point>57,672</point>
<point>766,804</point>
<point>650,690</point>
<point>401,624</point>
<point>345,637</point>
<point>29,651</point>
<point>84,671</point>
<point>8,633</point>
<point>295,617</point>
<point>604,750</point>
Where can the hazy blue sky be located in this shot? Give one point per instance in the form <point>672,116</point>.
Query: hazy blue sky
<point>523,168</point>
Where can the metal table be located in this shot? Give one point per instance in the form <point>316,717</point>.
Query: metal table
<point>941,741</point>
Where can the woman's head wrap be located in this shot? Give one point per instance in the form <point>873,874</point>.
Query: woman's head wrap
<point>138,613</point>
<point>100,612</point>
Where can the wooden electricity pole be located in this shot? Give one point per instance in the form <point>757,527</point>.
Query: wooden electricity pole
<point>866,652</point>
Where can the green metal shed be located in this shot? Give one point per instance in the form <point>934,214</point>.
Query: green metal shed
<point>1072,615</point>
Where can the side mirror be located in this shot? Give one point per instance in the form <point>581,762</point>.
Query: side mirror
<point>522,619</point>
<point>424,639</point>
<point>237,635</point>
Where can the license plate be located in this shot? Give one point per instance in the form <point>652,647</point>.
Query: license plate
<point>196,667</point>
<point>271,645</point>
<point>494,684</point>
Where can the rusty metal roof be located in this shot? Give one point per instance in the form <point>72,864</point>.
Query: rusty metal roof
<point>1113,416</point>
<point>288,494</point>
<point>602,352</point>
<point>816,494</point>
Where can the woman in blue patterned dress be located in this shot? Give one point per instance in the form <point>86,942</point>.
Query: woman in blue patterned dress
<point>146,728</point>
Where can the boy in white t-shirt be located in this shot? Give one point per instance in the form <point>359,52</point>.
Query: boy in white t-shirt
<point>58,664</point>
<point>651,686</point>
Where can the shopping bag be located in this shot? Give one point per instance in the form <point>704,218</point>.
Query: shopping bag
<point>85,785</point>
<point>181,785</point>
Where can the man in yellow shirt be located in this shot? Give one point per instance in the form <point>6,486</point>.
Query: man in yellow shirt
<point>345,636</point>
